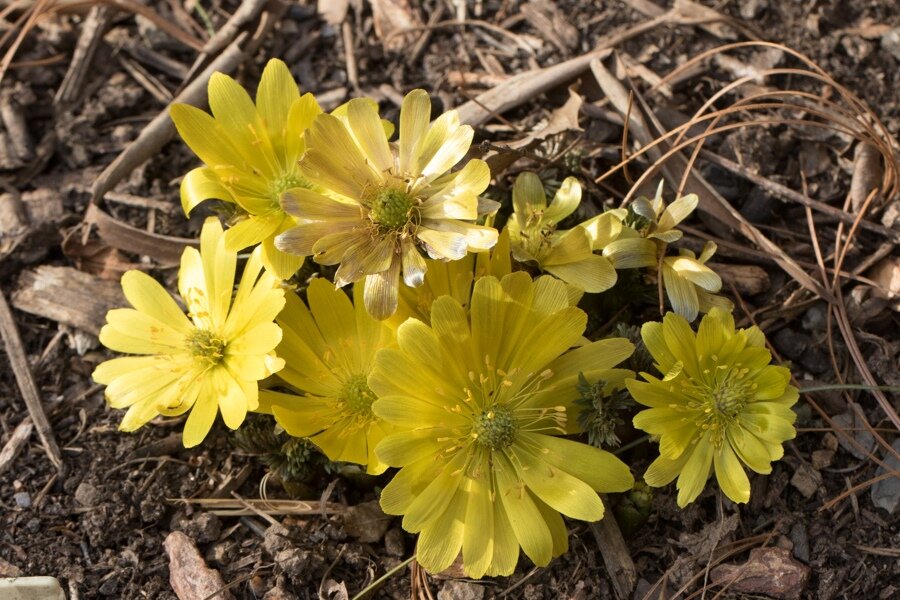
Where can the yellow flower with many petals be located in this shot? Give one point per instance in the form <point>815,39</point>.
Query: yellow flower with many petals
<point>480,400</point>
<point>205,362</point>
<point>533,235</point>
<point>719,406</point>
<point>251,152</point>
<point>387,201</point>
<point>690,285</point>
<point>330,348</point>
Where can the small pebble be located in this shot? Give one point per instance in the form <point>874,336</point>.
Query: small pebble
<point>461,590</point>
<point>87,495</point>
<point>22,499</point>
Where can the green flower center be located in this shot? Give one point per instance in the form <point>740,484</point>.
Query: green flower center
<point>720,398</point>
<point>357,398</point>
<point>285,182</point>
<point>495,428</point>
<point>391,208</point>
<point>206,346</point>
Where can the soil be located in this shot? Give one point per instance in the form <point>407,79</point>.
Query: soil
<point>99,525</point>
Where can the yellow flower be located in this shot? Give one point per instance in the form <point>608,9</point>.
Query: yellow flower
<point>567,255</point>
<point>207,361</point>
<point>330,348</point>
<point>691,285</point>
<point>387,201</point>
<point>662,219</point>
<point>479,401</point>
<point>720,404</point>
<point>251,153</point>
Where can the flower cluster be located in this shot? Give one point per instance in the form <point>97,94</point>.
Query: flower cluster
<point>459,357</point>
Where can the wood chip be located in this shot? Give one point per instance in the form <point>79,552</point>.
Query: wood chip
<point>867,174</point>
<point>34,214</point>
<point>67,296</point>
<point>769,571</point>
<point>92,30</point>
<point>14,445</point>
<point>616,556</point>
<point>189,576</point>
<point>393,16</point>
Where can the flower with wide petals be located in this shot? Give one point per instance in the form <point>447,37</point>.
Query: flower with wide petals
<point>329,347</point>
<point>480,400</point>
<point>251,153</point>
<point>533,235</point>
<point>659,219</point>
<point>387,202</point>
<point>719,406</point>
<point>205,362</point>
<point>690,285</point>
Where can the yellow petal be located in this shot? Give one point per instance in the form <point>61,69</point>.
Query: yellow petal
<point>593,274</point>
<point>599,469</point>
<point>730,475</point>
<point>201,417</point>
<point>561,491</point>
<point>478,536</point>
<point>440,542</point>
<point>446,245</point>
<point>334,161</point>
<point>281,264</point>
<point>205,136</point>
<point>149,297</point>
<point>312,206</point>
<point>663,471</point>
<point>677,212</point>
<point>527,523</point>
<point>603,229</point>
<point>300,116</point>
<point>631,253</point>
<point>565,201</point>
<point>201,184</point>
<point>415,113</point>
<point>135,332</point>
<point>681,292</point>
<point>367,130</point>
<point>458,199</point>
<point>333,313</point>
<point>695,472</point>
<point>275,96</point>
<point>234,110</point>
<point>381,291</point>
<point>251,231</point>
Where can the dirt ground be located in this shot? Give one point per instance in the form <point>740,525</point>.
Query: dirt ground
<point>99,523</point>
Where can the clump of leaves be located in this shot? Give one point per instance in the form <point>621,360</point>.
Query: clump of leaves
<point>600,411</point>
<point>641,360</point>
<point>291,459</point>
